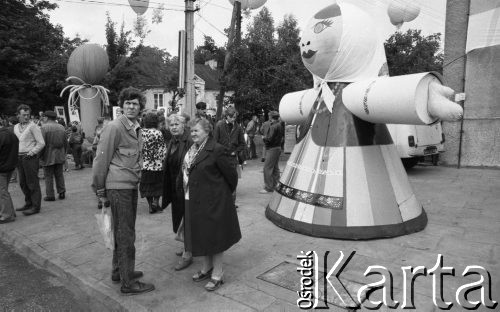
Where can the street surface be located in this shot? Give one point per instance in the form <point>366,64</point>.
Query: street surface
<point>463,207</point>
<point>24,287</point>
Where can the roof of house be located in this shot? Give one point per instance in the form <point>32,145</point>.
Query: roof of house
<point>208,74</point>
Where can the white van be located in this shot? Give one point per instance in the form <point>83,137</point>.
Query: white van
<point>416,142</point>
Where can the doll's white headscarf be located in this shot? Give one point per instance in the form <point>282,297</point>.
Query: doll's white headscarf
<point>360,54</point>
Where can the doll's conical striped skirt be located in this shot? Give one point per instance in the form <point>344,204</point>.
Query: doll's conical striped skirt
<point>352,192</point>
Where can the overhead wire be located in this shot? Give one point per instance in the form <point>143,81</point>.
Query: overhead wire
<point>96,2</point>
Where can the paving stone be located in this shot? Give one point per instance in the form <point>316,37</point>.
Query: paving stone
<point>249,296</point>
<point>67,243</point>
<point>463,226</point>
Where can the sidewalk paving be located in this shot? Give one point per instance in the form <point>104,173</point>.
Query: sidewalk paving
<point>463,208</point>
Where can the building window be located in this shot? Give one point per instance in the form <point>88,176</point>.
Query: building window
<point>158,97</point>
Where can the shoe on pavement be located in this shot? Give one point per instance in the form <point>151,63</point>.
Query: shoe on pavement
<point>200,276</point>
<point>115,277</point>
<point>62,195</point>
<point>262,159</point>
<point>136,288</point>
<point>49,198</point>
<point>7,220</point>
<point>30,212</point>
<point>25,207</point>
<point>264,191</point>
<point>183,263</point>
<point>214,284</point>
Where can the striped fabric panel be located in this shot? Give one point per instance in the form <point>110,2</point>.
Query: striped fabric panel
<point>357,199</point>
<point>383,203</point>
<point>397,173</point>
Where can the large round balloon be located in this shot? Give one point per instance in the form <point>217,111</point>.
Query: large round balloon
<point>89,62</point>
<point>339,44</point>
<point>139,6</point>
<point>401,11</point>
<point>249,4</point>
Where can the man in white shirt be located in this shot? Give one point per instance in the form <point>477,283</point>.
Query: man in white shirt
<point>31,144</point>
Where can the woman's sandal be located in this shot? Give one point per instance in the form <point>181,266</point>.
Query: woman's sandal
<point>214,284</point>
<point>200,276</point>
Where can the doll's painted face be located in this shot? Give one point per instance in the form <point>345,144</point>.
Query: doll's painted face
<point>321,39</point>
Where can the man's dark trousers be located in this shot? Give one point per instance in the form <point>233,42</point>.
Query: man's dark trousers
<point>251,147</point>
<point>51,172</point>
<point>76,149</point>
<point>124,211</point>
<point>28,181</point>
<point>271,168</point>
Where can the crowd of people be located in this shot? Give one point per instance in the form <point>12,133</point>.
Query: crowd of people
<point>192,164</point>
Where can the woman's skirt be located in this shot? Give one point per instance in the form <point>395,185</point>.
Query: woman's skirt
<point>151,184</point>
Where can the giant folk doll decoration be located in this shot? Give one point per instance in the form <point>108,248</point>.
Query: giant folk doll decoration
<point>87,66</point>
<point>344,178</point>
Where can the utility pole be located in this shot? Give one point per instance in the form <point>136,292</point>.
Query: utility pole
<point>189,96</point>
<point>233,40</point>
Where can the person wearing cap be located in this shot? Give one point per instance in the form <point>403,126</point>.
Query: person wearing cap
<point>53,156</point>
<point>201,112</point>
<point>272,142</point>
<point>201,109</point>
<point>230,134</point>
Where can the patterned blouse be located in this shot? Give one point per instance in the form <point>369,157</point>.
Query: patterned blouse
<point>154,149</point>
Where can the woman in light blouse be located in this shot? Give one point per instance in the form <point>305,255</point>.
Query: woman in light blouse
<point>153,152</point>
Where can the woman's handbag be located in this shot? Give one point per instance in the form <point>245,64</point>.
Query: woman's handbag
<point>106,227</point>
<point>179,236</point>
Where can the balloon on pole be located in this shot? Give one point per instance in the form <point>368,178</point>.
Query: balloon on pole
<point>139,6</point>
<point>249,4</point>
<point>400,11</point>
<point>88,62</point>
<point>87,66</point>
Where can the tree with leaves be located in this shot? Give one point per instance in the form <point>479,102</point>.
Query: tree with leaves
<point>411,52</point>
<point>209,51</point>
<point>146,66</point>
<point>117,46</point>
<point>267,64</point>
<point>33,54</point>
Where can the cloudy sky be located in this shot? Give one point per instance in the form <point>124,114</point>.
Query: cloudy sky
<point>88,17</point>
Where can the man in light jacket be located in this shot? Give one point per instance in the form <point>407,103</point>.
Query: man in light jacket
<point>31,144</point>
<point>116,173</point>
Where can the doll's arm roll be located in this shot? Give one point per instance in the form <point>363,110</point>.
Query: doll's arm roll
<point>418,99</point>
<point>296,106</point>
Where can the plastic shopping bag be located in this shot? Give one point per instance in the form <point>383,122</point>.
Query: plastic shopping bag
<point>106,227</point>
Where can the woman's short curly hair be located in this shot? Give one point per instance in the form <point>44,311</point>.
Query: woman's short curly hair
<point>150,120</point>
<point>176,117</point>
<point>132,93</point>
<point>203,122</point>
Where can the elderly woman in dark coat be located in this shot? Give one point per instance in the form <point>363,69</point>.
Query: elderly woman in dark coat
<point>177,148</point>
<point>211,222</point>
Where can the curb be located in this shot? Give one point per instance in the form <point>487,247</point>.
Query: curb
<point>95,294</point>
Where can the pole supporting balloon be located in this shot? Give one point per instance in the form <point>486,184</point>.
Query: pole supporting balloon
<point>74,92</point>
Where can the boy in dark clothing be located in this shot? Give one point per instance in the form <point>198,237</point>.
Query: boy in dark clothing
<point>272,142</point>
<point>230,134</point>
